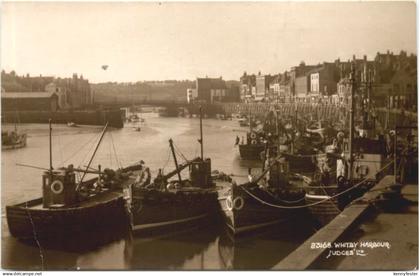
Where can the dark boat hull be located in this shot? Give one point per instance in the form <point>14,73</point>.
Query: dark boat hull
<point>21,142</point>
<point>251,152</point>
<point>244,213</point>
<point>28,221</point>
<point>324,211</point>
<point>155,212</point>
<point>300,163</point>
<point>326,202</point>
<point>19,145</point>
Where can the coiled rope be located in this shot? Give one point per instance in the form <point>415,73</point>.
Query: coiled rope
<point>315,203</point>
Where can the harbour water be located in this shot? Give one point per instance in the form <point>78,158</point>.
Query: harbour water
<point>209,247</point>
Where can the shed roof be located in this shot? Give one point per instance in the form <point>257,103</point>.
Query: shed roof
<point>26,95</point>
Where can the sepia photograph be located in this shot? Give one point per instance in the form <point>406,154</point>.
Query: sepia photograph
<point>209,136</point>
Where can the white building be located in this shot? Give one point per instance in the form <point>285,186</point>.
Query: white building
<point>191,95</point>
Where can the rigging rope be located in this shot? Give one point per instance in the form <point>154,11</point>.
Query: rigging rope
<point>110,154</point>
<point>87,152</point>
<point>177,150</point>
<point>167,160</point>
<point>76,152</point>
<point>315,203</point>
<point>41,251</point>
<point>115,151</point>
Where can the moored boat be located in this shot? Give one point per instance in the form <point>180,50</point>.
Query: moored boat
<point>262,201</point>
<point>69,207</point>
<point>255,144</point>
<point>252,150</point>
<point>359,165</point>
<point>163,204</point>
<point>333,189</point>
<point>12,140</point>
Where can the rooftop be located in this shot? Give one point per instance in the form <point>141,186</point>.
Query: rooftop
<point>26,95</point>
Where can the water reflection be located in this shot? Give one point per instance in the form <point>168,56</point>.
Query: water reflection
<point>173,252</point>
<point>261,249</point>
<point>61,253</point>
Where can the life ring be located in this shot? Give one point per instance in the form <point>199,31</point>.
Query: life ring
<point>253,135</point>
<point>341,180</point>
<point>254,142</point>
<point>229,204</point>
<point>57,187</point>
<point>241,203</point>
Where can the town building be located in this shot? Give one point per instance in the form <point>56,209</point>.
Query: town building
<point>211,90</point>
<point>262,87</point>
<point>281,88</point>
<point>323,82</point>
<point>73,92</point>
<point>301,87</point>
<point>39,101</point>
<point>61,92</point>
<point>299,81</point>
<point>247,87</point>
<point>404,90</point>
<point>192,95</point>
<point>391,80</point>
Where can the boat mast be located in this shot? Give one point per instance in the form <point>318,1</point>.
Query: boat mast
<point>201,133</point>
<point>93,155</point>
<point>176,161</point>
<point>50,128</point>
<point>249,120</point>
<point>295,126</point>
<point>277,126</point>
<point>265,156</point>
<point>353,88</point>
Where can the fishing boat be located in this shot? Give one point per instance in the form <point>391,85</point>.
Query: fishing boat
<point>327,193</point>
<point>297,146</point>
<point>133,118</point>
<point>161,204</point>
<point>263,201</point>
<point>12,140</point>
<point>69,207</point>
<point>359,166</point>
<point>253,147</point>
<point>301,152</point>
<point>255,144</point>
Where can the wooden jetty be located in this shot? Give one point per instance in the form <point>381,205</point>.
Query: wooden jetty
<point>303,257</point>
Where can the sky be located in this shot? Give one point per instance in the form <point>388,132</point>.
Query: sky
<point>157,41</point>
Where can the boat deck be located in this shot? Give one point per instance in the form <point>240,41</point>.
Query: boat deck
<point>93,200</point>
